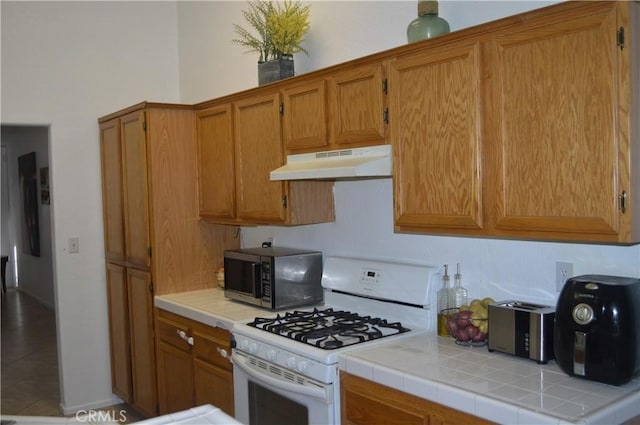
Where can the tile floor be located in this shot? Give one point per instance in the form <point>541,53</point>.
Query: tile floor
<point>29,366</point>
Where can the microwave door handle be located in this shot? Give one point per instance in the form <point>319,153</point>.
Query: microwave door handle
<point>257,280</point>
<point>317,393</point>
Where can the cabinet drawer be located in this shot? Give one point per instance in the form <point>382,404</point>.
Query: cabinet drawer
<point>170,332</point>
<point>211,350</point>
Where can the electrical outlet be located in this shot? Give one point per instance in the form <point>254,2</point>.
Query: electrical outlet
<point>74,245</point>
<point>563,272</point>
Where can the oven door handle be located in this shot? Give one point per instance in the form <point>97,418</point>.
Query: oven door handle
<point>318,393</point>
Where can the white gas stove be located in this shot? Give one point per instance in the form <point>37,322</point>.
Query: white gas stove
<point>291,358</point>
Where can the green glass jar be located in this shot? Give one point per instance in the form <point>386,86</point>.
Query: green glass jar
<point>428,24</point>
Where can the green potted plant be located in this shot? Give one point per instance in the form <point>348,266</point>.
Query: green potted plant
<point>278,33</point>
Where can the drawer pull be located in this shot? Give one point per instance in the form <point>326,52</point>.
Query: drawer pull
<point>189,340</point>
<point>182,334</point>
<point>223,352</point>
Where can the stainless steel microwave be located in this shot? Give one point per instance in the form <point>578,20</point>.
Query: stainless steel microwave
<point>275,277</point>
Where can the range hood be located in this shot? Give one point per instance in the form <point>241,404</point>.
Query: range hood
<point>374,161</point>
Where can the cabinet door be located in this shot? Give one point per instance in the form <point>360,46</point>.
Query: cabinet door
<point>258,151</point>
<point>119,341</point>
<point>560,161</point>
<point>435,131</point>
<point>212,369</point>
<point>175,379</point>
<point>136,190</point>
<point>111,154</point>
<point>304,118</point>
<point>363,402</point>
<point>143,364</point>
<point>213,385</point>
<point>357,106</point>
<point>216,163</point>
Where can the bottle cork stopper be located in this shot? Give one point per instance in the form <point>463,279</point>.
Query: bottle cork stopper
<point>427,7</point>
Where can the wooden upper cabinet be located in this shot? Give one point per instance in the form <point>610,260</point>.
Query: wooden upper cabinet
<point>240,143</point>
<point>560,149</point>
<point>258,149</point>
<point>357,97</point>
<point>111,151</point>
<point>343,109</point>
<point>136,190</point>
<point>216,165</point>
<point>304,116</point>
<point>523,130</point>
<point>435,131</point>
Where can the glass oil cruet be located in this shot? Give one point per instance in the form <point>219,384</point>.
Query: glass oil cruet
<point>460,295</point>
<point>445,302</point>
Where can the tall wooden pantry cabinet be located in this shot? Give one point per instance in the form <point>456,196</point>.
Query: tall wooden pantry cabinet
<point>154,241</point>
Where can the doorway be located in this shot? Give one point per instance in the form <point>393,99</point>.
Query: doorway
<point>25,172</point>
<point>29,269</point>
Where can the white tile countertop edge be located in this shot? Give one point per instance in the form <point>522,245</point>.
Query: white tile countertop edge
<point>208,306</point>
<point>432,379</point>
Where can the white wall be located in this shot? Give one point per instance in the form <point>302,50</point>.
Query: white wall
<point>502,269</point>
<point>64,64</point>
<point>35,275</point>
<point>344,30</point>
<point>212,66</point>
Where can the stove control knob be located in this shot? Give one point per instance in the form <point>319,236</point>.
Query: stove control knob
<point>271,355</point>
<point>291,362</point>
<point>253,347</point>
<point>303,366</point>
<point>583,314</point>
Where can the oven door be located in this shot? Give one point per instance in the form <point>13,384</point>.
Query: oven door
<point>266,394</point>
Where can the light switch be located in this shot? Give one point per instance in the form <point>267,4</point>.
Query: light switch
<point>74,245</point>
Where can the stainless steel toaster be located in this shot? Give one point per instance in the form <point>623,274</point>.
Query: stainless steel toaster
<point>522,329</point>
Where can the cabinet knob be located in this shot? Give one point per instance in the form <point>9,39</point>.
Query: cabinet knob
<point>223,352</point>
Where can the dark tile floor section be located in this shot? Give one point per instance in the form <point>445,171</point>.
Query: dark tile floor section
<point>29,362</point>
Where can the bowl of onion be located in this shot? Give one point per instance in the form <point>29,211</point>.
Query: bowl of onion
<point>468,328</point>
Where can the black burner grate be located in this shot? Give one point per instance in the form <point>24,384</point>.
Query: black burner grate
<point>328,329</point>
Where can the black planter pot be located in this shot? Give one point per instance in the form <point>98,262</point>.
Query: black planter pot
<point>275,70</point>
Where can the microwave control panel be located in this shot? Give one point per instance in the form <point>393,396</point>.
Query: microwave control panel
<point>266,280</point>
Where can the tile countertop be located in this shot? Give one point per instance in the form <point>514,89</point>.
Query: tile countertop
<point>208,306</point>
<point>495,386</point>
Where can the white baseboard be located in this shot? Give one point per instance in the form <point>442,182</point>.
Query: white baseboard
<point>71,410</point>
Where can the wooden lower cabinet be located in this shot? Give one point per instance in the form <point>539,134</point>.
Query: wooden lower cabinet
<point>366,403</point>
<point>175,378</point>
<point>133,370</point>
<point>211,385</point>
<point>192,365</point>
<point>143,367</point>
<point>119,335</point>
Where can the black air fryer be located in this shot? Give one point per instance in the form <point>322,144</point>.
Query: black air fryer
<point>597,327</point>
